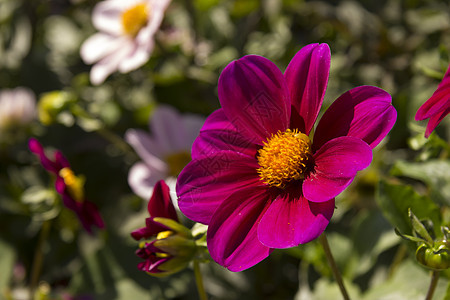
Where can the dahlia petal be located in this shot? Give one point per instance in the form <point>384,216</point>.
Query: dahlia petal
<point>157,9</point>
<point>89,216</point>
<point>143,177</point>
<point>137,57</point>
<point>169,131</point>
<point>292,220</point>
<point>110,63</point>
<point>160,204</point>
<point>435,120</point>
<point>206,182</point>
<point>60,160</point>
<point>255,98</point>
<point>364,112</point>
<point>151,228</point>
<point>146,147</point>
<point>336,164</point>
<point>232,234</point>
<point>99,46</point>
<point>37,149</point>
<point>107,16</point>
<point>307,78</point>
<point>438,102</point>
<point>219,134</point>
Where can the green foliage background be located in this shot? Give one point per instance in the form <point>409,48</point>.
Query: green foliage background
<point>400,46</point>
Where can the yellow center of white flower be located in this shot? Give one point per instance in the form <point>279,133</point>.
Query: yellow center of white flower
<point>284,158</point>
<point>73,183</point>
<point>135,18</point>
<point>177,161</point>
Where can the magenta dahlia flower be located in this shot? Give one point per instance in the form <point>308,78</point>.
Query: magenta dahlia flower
<point>69,186</point>
<point>168,246</point>
<point>437,107</point>
<point>257,178</point>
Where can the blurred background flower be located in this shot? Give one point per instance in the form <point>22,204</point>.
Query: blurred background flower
<point>17,107</point>
<point>164,151</point>
<point>399,46</point>
<point>125,40</point>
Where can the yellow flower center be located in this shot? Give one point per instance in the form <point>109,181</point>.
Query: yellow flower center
<point>134,18</point>
<point>73,183</point>
<point>177,161</point>
<point>284,158</point>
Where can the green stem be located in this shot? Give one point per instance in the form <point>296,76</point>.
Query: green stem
<point>38,257</point>
<point>433,284</point>
<point>199,281</point>
<point>337,275</point>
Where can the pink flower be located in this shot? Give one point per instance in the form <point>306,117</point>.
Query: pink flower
<point>125,40</point>
<point>256,178</point>
<point>437,107</point>
<point>165,152</point>
<point>69,186</point>
<point>17,107</point>
<point>169,246</point>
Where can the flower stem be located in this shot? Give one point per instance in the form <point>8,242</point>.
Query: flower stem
<point>433,284</point>
<point>337,275</point>
<point>199,281</point>
<point>38,257</point>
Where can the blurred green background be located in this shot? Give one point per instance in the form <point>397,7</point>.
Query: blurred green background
<point>400,46</point>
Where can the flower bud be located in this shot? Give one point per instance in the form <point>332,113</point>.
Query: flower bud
<point>436,257</point>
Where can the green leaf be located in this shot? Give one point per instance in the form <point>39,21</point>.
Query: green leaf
<point>419,228</point>
<point>395,200</point>
<point>410,237</point>
<point>435,173</point>
<point>410,282</point>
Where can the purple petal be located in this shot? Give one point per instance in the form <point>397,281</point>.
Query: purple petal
<point>255,98</point>
<point>435,120</point>
<point>220,134</point>
<point>336,164</point>
<point>151,228</point>
<point>232,234</point>
<point>206,182</point>
<point>169,130</point>
<point>61,161</point>
<point>89,216</point>
<point>364,112</point>
<point>439,101</point>
<point>292,220</point>
<point>160,204</point>
<point>145,146</point>
<point>37,149</point>
<point>307,78</point>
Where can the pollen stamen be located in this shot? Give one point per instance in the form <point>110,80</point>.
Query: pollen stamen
<point>284,158</point>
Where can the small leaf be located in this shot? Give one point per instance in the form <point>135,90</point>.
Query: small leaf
<point>419,228</point>
<point>410,237</point>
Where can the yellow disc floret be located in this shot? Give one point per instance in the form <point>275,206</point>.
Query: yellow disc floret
<point>74,184</point>
<point>134,18</point>
<point>284,158</point>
